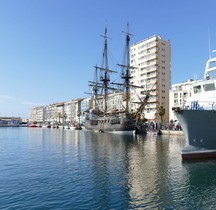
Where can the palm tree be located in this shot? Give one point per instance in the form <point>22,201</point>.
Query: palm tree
<point>65,117</point>
<point>59,116</point>
<point>161,112</point>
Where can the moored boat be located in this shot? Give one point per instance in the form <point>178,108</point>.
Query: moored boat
<point>32,125</point>
<point>66,127</point>
<point>119,122</point>
<point>198,117</point>
<point>100,118</point>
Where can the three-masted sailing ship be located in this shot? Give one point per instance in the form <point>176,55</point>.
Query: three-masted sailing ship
<point>100,118</point>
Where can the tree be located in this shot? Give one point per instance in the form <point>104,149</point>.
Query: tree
<point>161,112</point>
<point>65,117</point>
<point>59,116</point>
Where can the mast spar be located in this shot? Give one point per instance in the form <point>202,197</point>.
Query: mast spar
<point>105,71</point>
<point>125,74</point>
<point>105,78</point>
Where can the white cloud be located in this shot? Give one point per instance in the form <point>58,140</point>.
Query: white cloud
<point>7,97</point>
<point>31,103</point>
<point>18,101</point>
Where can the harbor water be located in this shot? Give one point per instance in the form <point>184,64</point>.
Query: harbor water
<point>70,169</point>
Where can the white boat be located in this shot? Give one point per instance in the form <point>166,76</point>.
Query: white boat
<point>66,127</point>
<point>198,117</point>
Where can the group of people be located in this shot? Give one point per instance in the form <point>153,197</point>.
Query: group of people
<point>172,125</point>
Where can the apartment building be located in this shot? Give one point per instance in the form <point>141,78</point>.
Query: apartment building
<point>73,110</point>
<point>58,112</point>
<point>151,58</point>
<point>37,114</point>
<point>179,93</point>
<point>63,112</point>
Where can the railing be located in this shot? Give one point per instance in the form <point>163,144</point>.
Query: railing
<point>200,104</point>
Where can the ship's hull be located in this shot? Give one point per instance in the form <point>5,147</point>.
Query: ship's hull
<point>106,124</point>
<point>191,153</point>
<point>199,127</point>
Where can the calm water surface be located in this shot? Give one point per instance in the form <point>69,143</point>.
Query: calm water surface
<point>65,169</point>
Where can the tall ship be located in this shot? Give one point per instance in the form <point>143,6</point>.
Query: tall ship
<point>198,116</point>
<point>100,118</point>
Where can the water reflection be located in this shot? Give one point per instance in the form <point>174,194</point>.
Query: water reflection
<point>140,167</point>
<point>199,183</point>
<point>104,171</point>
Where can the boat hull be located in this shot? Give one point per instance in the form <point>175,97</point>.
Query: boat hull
<point>192,153</point>
<point>106,124</point>
<point>199,127</point>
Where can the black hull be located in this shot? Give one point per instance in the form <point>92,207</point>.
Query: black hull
<point>139,130</point>
<point>106,127</point>
<point>199,127</point>
<point>110,125</point>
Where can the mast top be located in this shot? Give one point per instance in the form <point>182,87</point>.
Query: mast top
<point>105,34</point>
<point>128,34</point>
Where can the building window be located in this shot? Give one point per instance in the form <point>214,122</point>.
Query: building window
<point>197,89</point>
<point>209,87</point>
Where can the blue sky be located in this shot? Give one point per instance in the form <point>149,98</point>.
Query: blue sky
<point>48,47</point>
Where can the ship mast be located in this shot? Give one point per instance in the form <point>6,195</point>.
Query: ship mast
<point>95,88</point>
<point>105,78</point>
<point>125,74</point>
<point>104,69</point>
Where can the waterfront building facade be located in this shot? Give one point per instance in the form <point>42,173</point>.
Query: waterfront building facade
<point>57,113</point>
<point>37,114</point>
<point>48,116</point>
<point>115,101</point>
<point>68,110</point>
<point>85,106</point>
<point>151,58</point>
<point>10,121</point>
<point>73,111</point>
<point>179,93</point>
